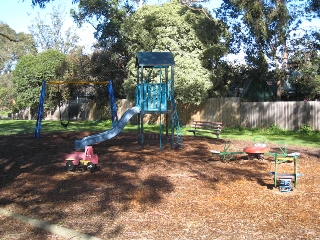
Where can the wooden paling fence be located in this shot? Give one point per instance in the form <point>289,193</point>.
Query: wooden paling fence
<point>232,112</point>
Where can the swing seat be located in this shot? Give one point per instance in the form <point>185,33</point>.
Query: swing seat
<point>65,125</point>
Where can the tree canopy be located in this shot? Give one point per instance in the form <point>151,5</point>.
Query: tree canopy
<point>194,40</point>
<point>13,46</point>
<point>31,70</point>
<point>266,30</point>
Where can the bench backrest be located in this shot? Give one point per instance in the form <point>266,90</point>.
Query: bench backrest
<point>207,125</point>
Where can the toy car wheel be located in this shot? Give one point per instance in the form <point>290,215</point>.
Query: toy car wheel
<point>91,166</point>
<point>70,166</point>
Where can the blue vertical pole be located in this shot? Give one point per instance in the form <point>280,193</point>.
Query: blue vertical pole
<point>113,105</point>
<point>37,129</point>
<point>143,99</point>
<point>160,105</point>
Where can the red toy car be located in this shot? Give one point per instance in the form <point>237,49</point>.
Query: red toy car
<point>86,159</point>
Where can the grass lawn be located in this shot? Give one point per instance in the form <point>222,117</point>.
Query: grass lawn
<point>304,137</point>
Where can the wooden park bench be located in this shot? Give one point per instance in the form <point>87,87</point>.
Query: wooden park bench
<point>211,127</point>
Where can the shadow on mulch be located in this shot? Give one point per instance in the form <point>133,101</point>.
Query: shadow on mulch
<point>129,180</point>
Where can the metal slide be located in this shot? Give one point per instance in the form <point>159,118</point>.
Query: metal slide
<point>100,137</point>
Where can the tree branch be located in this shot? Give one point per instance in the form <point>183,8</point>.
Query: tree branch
<point>9,38</point>
<point>204,11</point>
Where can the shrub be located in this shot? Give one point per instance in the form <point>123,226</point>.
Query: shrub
<point>305,130</point>
<point>274,129</point>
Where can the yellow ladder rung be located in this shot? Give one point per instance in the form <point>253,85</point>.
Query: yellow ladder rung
<point>285,158</point>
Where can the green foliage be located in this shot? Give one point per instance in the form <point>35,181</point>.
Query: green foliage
<point>7,92</point>
<point>31,70</point>
<point>263,29</point>
<point>305,130</point>
<point>304,66</point>
<point>275,129</point>
<point>306,84</point>
<point>258,25</point>
<point>107,17</point>
<point>104,65</point>
<point>109,60</point>
<point>186,33</point>
<point>13,46</point>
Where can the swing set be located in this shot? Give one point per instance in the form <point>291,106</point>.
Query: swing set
<point>65,123</point>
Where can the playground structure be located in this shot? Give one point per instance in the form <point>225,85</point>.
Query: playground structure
<point>281,180</point>
<point>257,149</point>
<point>154,95</point>
<point>227,153</point>
<point>284,180</point>
<point>113,107</point>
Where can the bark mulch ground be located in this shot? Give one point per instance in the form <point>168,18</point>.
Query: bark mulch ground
<point>136,193</point>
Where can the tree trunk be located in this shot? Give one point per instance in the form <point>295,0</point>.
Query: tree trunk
<point>282,77</point>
